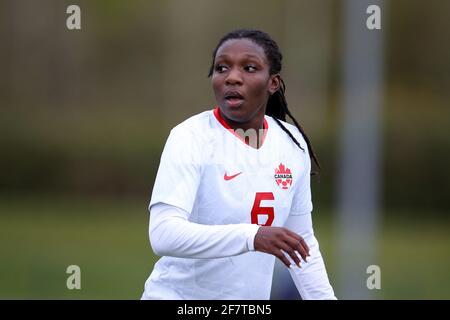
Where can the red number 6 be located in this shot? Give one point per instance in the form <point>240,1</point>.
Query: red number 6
<point>258,210</point>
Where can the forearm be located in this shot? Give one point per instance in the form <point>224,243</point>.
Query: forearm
<point>171,234</point>
<point>311,279</point>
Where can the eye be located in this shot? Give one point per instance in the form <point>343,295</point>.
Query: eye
<point>220,68</point>
<point>250,68</point>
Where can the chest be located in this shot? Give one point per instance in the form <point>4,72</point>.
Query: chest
<point>248,187</point>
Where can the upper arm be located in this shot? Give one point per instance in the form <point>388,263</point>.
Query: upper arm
<point>179,171</point>
<point>302,200</point>
<point>300,224</point>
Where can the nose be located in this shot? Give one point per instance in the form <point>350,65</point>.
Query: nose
<point>234,77</point>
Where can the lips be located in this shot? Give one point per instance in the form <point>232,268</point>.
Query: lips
<point>233,95</point>
<point>233,98</point>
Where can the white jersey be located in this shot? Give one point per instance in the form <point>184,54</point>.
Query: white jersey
<point>207,171</point>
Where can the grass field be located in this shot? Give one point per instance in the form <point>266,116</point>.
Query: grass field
<point>108,239</point>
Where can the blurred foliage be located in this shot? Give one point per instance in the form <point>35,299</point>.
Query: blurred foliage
<point>87,112</point>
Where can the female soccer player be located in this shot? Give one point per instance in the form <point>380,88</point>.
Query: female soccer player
<point>233,188</point>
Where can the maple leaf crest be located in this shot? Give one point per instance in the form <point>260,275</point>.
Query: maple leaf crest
<point>283,176</point>
<point>282,169</point>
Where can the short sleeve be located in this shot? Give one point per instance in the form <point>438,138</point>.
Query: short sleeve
<point>179,171</point>
<point>302,201</point>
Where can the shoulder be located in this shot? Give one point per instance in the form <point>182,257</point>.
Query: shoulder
<point>193,130</point>
<point>191,138</point>
<point>194,124</point>
<point>291,128</point>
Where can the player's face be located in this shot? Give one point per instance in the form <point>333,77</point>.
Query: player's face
<point>241,80</point>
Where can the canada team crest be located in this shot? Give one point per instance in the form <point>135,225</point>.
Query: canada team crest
<point>283,177</point>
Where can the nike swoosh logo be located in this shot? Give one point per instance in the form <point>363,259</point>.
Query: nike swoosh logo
<point>226,177</point>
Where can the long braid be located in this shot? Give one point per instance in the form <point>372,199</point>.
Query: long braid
<point>278,99</point>
<point>277,106</point>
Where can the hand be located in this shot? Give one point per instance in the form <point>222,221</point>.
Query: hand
<point>272,240</point>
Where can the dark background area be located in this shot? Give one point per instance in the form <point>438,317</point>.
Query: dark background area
<point>84,116</point>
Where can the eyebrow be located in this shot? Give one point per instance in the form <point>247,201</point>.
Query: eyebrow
<point>247,55</point>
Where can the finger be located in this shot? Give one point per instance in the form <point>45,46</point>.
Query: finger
<point>298,247</point>
<point>293,234</point>
<point>300,239</point>
<point>303,242</point>
<point>290,250</point>
<point>282,257</point>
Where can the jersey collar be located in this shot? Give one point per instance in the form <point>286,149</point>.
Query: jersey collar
<point>224,123</point>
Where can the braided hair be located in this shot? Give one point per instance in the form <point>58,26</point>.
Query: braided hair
<point>277,106</point>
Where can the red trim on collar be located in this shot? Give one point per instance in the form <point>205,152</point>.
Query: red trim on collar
<point>224,123</point>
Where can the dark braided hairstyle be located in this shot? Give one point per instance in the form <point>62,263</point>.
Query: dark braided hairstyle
<point>277,106</point>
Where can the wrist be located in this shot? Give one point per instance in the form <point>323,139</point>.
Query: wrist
<point>251,233</point>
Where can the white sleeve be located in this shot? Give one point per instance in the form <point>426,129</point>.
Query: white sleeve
<point>302,201</point>
<point>179,171</point>
<point>311,279</point>
<point>171,234</point>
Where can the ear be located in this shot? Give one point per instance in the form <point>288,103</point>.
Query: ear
<point>274,83</point>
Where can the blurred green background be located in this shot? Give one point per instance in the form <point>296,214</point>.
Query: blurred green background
<point>84,116</point>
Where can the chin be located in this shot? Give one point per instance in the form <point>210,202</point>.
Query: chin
<point>234,114</point>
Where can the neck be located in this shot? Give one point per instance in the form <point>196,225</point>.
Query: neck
<point>248,129</point>
<point>256,123</point>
